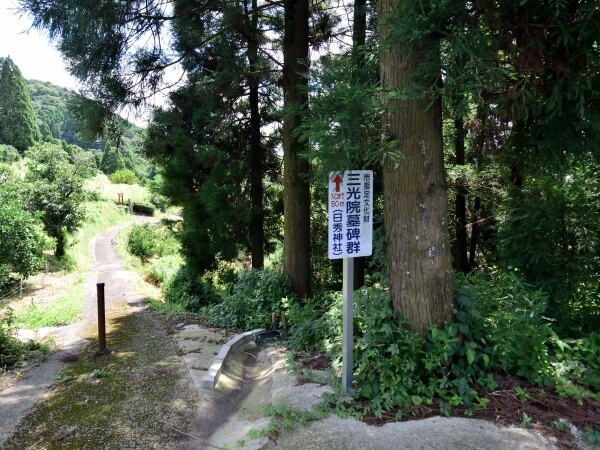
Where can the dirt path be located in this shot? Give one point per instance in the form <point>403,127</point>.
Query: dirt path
<point>139,396</point>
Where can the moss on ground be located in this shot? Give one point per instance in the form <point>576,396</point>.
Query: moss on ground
<point>136,397</point>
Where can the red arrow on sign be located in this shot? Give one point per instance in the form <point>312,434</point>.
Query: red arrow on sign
<point>337,180</point>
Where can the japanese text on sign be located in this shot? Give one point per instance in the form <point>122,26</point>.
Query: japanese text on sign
<point>350,214</point>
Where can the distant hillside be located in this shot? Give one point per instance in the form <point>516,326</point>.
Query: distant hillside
<point>50,106</point>
<point>50,103</point>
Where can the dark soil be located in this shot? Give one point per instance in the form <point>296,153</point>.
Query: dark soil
<point>313,361</point>
<point>544,406</point>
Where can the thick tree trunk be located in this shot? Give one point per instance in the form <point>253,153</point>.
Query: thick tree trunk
<point>257,232</point>
<point>296,192</point>
<point>415,194</point>
<point>359,36</point>
<point>460,249</point>
<point>359,31</point>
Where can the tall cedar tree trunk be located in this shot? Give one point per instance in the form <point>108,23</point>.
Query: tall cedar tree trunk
<point>359,38</point>
<point>461,259</point>
<point>415,194</point>
<point>479,150</point>
<point>296,192</point>
<point>257,231</point>
<point>359,32</point>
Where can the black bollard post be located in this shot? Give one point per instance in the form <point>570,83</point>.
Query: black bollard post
<point>101,318</point>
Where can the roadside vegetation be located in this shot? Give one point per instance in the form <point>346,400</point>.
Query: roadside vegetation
<point>502,353</point>
<point>54,197</point>
<point>479,121</point>
<point>62,280</point>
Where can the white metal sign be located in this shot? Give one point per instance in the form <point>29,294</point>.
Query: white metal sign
<point>350,214</point>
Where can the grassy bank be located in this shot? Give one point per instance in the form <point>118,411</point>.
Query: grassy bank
<point>57,298</point>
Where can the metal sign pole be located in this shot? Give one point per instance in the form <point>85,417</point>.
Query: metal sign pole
<point>347,323</point>
<point>350,235</point>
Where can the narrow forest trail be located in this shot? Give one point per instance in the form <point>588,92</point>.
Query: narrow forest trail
<point>139,395</point>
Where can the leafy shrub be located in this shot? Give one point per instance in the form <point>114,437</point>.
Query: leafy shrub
<point>163,270</point>
<point>316,325</point>
<point>192,292</point>
<point>509,315</point>
<point>11,350</point>
<point>124,176</point>
<point>387,356</point>
<point>157,199</point>
<point>149,240</point>
<point>9,154</point>
<point>251,299</point>
<point>578,360</point>
<point>21,239</point>
<point>396,368</point>
<point>141,242</point>
<point>552,236</point>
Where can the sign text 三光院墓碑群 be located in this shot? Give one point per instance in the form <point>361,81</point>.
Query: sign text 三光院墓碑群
<point>350,203</point>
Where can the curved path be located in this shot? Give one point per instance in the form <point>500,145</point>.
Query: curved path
<point>16,401</point>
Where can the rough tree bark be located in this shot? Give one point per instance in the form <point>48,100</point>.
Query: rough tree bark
<point>257,217</point>
<point>415,193</point>
<point>296,192</point>
<point>359,39</point>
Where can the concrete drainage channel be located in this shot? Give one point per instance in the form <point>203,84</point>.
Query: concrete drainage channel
<point>209,381</point>
<point>208,351</point>
<point>248,377</point>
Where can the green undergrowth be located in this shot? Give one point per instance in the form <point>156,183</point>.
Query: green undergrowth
<point>64,309</point>
<point>223,298</point>
<point>130,398</point>
<point>249,299</point>
<point>14,351</point>
<point>285,419</point>
<point>500,330</point>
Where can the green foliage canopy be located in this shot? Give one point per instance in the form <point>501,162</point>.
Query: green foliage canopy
<point>54,186</point>
<point>18,126</point>
<point>21,236</point>
<point>124,176</point>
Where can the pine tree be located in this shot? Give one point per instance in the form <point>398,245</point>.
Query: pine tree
<point>219,44</point>
<point>18,125</point>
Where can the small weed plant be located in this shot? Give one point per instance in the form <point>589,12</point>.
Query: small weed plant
<point>316,324</point>
<point>12,351</point>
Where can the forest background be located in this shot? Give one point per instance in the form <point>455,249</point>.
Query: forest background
<point>478,119</point>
